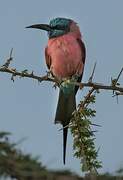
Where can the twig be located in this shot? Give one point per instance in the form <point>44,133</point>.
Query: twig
<point>97,86</point>
<point>86,98</point>
<point>14,72</point>
<point>119,75</point>
<point>91,77</point>
<point>8,61</point>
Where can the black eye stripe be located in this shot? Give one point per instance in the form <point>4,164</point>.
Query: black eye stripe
<point>59,27</point>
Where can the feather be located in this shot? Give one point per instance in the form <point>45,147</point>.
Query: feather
<point>66,106</point>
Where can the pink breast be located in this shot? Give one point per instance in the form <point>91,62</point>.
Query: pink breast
<point>66,56</point>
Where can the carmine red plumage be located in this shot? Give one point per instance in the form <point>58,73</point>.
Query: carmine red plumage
<point>65,56</point>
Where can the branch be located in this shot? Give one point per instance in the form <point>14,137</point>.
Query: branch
<point>46,77</point>
<point>25,73</point>
<point>114,86</point>
<point>84,136</point>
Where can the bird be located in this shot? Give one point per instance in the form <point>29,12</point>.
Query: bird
<point>65,55</point>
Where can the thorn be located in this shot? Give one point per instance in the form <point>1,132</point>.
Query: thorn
<point>117,94</point>
<point>8,61</point>
<point>91,77</point>
<point>11,53</point>
<point>12,77</point>
<point>25,71</point>
<point>119,75</point>
<point>96,125</point>
<point>112,85</point>
<point>94,131</point>
<point>114,82</point>
<point>98,149</point>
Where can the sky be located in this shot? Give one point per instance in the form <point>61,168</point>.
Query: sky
<point>27,108</point>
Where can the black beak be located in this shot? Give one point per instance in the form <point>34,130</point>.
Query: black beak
<point>45,27</point>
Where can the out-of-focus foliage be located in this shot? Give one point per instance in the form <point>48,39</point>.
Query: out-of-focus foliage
<point>17,165</point>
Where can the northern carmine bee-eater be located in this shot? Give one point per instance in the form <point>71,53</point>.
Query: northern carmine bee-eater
<point>65,58</point>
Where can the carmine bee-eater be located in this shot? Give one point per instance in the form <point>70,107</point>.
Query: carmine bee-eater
<point>65,58</point>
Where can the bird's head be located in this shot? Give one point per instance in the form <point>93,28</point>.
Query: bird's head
<point>58,27</point>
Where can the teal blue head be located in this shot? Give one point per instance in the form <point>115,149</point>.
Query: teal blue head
<point>56,27</point>
<point>60,26</point>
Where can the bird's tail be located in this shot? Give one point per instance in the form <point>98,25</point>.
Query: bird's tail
<point>66,106</point>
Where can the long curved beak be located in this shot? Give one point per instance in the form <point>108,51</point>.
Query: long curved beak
<point>45,27</point>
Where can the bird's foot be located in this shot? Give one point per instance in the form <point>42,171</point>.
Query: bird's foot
<point>49,74</point>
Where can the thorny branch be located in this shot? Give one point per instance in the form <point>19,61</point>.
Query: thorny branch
<point>83,135</point>
<point>97,86</point>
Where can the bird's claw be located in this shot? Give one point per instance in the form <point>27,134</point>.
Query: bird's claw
<point>49,73</point>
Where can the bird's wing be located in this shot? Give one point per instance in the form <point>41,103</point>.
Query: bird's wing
<point>47,58</point>
<point>83,52</point>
